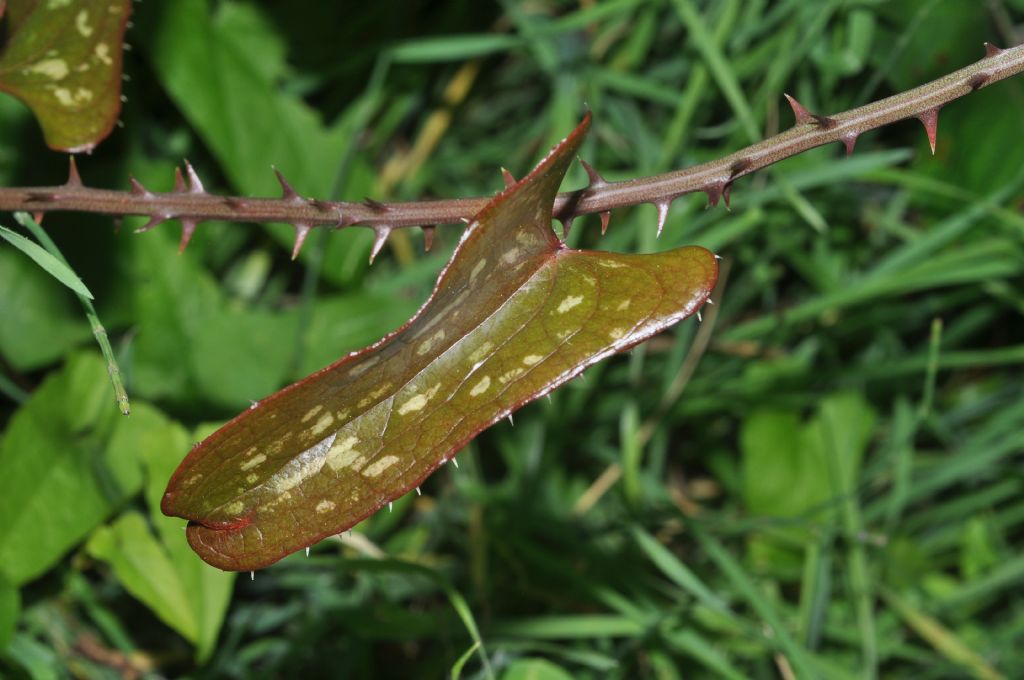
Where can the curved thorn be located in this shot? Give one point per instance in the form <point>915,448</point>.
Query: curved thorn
<point>428,236</point>
<point>137,187</point>
<point>74,179</point>
<point>714,193</point>
<point>195,186</point>
<point>301,232</point>
<point>849,141</point>
<point>801,114</point>
<point>287,193</point>
<point>375,206</point>
<point>418,492</point>
<point>153,221</point>
<point>510,421</point>
<point>566,226</point>
<point>235,203</point>
<point>38,217</point>
<point>978,80</point>
<point>596,181</point>
<point>307,551</point>
<point>188,227</point>
<point>991,50</point>
<point>381,235</point>
<point>727,195</point>
<point>344,221</point>
<point>322,206</point>
<point>606,217</point>
<point>930,120</point>
<point>739,167</point>
<point>179,181</point>
<point>824,122</point>
<point>508,178</point>
<point>662,207</point>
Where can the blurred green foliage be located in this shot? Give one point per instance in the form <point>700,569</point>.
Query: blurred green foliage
<point>821,480</point>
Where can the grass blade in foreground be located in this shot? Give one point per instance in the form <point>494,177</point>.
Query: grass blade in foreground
<point>514,315</point>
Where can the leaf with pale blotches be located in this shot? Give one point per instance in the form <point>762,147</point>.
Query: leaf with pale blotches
<point>514,315</point>
<point>63,59</point>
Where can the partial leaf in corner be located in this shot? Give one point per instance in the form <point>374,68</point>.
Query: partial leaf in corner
<point>63,58</point>
<point>514,315</point>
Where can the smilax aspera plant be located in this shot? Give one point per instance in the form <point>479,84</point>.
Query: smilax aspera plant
<point>514,314</point>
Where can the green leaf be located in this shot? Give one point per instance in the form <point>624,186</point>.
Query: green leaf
<point>514,315</point>
<point>40,321</point>
<point>192,340</point>
<point>534,669</point>
<point>10,606</point>
<point>66,462</point>
<point>48,262</point>
<point>63,59</point>
<point>803,470</point>
<point>158,568</point>
<point>220,66</point>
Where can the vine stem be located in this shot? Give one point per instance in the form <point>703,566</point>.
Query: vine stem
<point>190,203</point>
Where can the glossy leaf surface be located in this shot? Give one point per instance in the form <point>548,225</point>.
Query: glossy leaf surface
<point>513,315</point>
<point>63,59</point>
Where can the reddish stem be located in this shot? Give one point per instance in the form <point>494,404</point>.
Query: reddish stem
<point>192,204</point>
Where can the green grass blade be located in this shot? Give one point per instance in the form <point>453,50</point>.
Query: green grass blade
<point>48,262</point>
<point>98,330</point>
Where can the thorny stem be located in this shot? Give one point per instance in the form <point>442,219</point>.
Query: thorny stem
<point>192,204</point>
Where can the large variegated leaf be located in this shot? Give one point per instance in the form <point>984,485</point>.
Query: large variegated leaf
<point>63,59</point>
<point>514,315</point>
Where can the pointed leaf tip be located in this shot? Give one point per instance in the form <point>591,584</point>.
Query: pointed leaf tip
<point>381,234</point>
<point>930,120</point>
<point>801,114</point>
<point>991,50</point>
<point>301,232</point>
<point>287,192</point>
<point>74,179</point>
<point>188,227</point>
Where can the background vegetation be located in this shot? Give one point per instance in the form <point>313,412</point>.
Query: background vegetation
<point>821,479</point>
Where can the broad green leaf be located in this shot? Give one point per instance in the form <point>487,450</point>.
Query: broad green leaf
<point>159,569</point>
<point>514,315</point>
<point>801,471</point>
<point>66,462</point>
<point>191,339</point>
<point>221,64</point>
<point>63,59</point>
<point>10,606</point>
<point>48,262</point>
